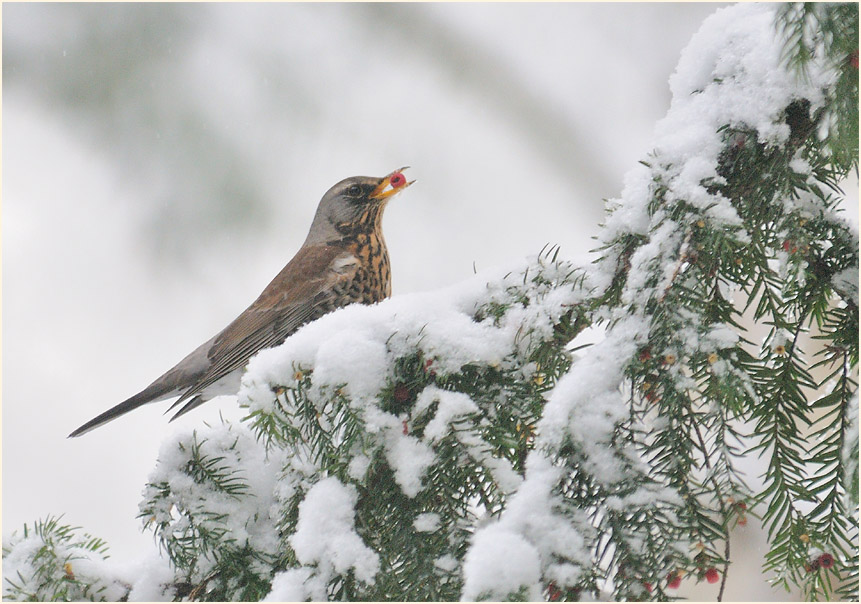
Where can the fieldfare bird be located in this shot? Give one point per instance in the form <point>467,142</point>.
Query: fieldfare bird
<point>343,261</point>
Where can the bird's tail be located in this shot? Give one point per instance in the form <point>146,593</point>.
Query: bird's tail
<point>154,392</point>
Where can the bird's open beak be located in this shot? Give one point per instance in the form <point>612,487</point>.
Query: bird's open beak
<point>391,184</point>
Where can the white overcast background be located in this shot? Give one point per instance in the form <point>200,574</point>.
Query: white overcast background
<point>161,163</point>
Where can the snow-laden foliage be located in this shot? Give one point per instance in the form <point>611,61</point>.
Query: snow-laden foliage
<point>51,561</point>
<point>388,432</point>
<point>732,210</point>
<point>452,445</point>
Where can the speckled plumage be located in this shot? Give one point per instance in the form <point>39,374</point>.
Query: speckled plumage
<point>343,261</point>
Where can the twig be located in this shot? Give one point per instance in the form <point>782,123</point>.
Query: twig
<point>722,508</point>
<point>683,255</point>
<point>194,593</point>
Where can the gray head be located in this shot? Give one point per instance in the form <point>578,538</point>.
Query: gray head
<point>353,206</point>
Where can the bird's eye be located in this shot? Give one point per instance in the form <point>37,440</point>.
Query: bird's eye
<point>354,191</point>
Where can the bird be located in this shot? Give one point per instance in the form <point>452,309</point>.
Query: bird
<point>343,261</point>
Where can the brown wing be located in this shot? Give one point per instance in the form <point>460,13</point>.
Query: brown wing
<point>302,291</point>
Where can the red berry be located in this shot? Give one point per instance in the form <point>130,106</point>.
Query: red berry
<point>648,586</point>
<point>789,246</point>
<point>401,393</point>
<point>397,180</point>
<point>826,560</point>
<point>553,592</point>
<point>406,428</point>
<point>742,505</point>
<point>712,575</point>
<point>645,355</point>
<point>673,580</point>
<point>853,58</point>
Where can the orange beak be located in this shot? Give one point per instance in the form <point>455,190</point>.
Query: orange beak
<point>391,184</point>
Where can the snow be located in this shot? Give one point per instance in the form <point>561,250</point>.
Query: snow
<point>451,406</point>
<point>500,562</point>
<point>587,402</point>
<point>325,534</point>
<point>730,73</point>
<point>447,563</point>
<point>850,452</point>
<point>289,586</point>
<point>151,574</point>
<point>359,466</point>
<point>648,257</point>
<point>721,336</point>
<point>534,511</point>
<point>737,46</point>
<point>846,283</point>
<point>427,522</point>
<point>410,458</point>
<point>355,360</point>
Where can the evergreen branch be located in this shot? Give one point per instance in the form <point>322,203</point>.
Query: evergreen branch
<point>720,498</point>
<point>53,562</point>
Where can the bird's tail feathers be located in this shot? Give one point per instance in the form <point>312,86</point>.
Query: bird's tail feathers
<point>155,392</point>
<point>190,404</point>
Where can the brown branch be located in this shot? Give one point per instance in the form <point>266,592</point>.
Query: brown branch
<point>200,587</point>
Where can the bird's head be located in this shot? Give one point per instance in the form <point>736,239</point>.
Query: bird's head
<point>355,205</point>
